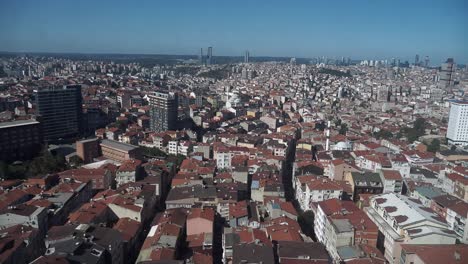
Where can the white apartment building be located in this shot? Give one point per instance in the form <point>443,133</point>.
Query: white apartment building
<point>405,220</point>
<point>223,160</point>
<point>310,190</point>
<point>172,147</point>
<point>457,132</point>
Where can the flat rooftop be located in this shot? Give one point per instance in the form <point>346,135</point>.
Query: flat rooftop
<point>117,145</point>
<point>18,123</point>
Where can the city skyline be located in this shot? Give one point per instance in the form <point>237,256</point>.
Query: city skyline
<point>358,29</point>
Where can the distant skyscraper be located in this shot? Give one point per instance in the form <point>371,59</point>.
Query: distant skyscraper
<point>446,73</point>
<point>163,111</point>
<point>60,111</point>
<point>416,60</point>
<point>209,56</point>
<point>200,57</point>
<point>457,130</point>
<point>426,61</point>
<point>246,57</point>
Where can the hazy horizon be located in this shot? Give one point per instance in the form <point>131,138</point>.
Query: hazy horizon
<point>356,29</point>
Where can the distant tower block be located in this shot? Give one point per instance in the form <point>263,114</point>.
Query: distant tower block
<point>246,57</point>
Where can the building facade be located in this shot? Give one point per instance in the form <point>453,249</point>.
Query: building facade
<point>163,112</point>
<point>457,130</point>
<point>20,140</point>
<point>60,111</point>
<point>87,149</point>
<point>119,151</point>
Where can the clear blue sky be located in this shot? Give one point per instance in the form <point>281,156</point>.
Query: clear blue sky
<point>369,29</point>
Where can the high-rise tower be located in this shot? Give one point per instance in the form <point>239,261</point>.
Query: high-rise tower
<point>60,111</point>
<point>246,57</point>
<point>446,74</point>
<point>200,57</point>
<point>163,111</point>
<point>209,56</point>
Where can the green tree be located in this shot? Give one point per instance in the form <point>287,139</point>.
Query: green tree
<point>343,129</point>
<point>152,152</point>
<point>306,221</point>
<point>76,160</point>
<point>434,146</point>
<point>420,126</point>
<point>385,134</point>
<point>3,170</point>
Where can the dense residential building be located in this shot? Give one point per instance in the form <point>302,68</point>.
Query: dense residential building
<point>20,140</point>
<point>401,219</point>
<point>60,111</point>
<point>340,224</point>
<point>432,254</point>
<point>364,183</point>
<point>391,181</point>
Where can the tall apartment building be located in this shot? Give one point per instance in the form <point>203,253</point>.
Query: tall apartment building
<point>20,140</point>
<point>446,74</point>
<point>163,112</point>
<point>60,111</point>
<point>457,131</point>
<point>209,56</point>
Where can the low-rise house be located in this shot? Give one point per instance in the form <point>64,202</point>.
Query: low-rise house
<point>312,189</point>
<point>64,199</point>
<point>457,216</point>
<point>425,194</point>
<point>302,252</point>
<point>86,243</point>
<point>238,214</point>
<point>339,168</point>
<point>129,171</point>
<point>131,231</point>
<point>165,236</point>
<point>418,157</point>
<point>20,244</point>
<point>364,183</point>
<point>252,253</point>
<point>341,223</point>
<point>392,181</point>
<point>97,213</point>
<point>101,179</point>
<point>433,254</point>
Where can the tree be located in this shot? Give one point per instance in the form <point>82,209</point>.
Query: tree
<point>434,146</point>
<point>385,134</point>
<point>338,122</point>
<point>306,221</point>
<point>152,152</point>
<point>420,126</point>
<point>343,129</point>
<point>3,170</point>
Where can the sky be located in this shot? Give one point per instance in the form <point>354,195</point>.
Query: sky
<point>360,29</point>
